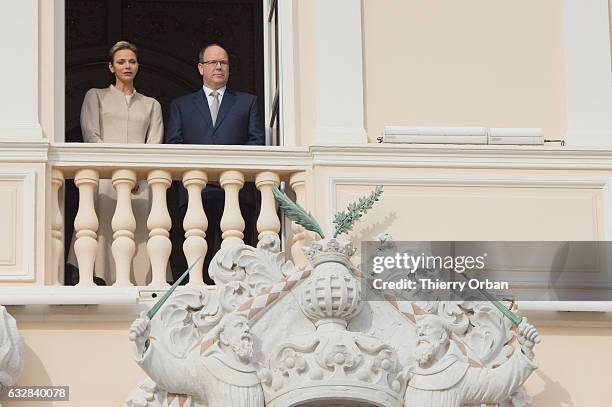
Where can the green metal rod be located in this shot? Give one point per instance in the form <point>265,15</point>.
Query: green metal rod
<point>151,313</point>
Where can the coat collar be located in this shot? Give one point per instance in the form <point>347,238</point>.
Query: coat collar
<point>229,98</point>
<point>202,105</point>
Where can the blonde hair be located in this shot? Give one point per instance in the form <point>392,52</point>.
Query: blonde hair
<point>119,46</point>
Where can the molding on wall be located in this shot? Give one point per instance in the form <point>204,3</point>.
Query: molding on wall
<point>23,151</point>
<point>82,314</point>
<point>588,80</point>
<point>462,156</point>
<point>28,252</point>
<point>69,295</point>
<point>580,316</point>
<point>481,180</point>
<point>302,158</point>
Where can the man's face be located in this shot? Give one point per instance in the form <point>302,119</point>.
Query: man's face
<point>236,333</point>
<point>214,67</point>
<point>430,339</point>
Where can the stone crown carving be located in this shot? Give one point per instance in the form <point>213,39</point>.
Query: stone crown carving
<point>330,250</point>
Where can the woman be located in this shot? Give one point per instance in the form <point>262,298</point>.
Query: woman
<point>119,114</point>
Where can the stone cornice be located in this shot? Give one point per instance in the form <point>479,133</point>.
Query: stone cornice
<point>71,156</point>
<point>24,151</point>
<point>463,156</point>
<point>291,159</point>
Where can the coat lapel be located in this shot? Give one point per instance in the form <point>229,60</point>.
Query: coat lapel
<point>229,98</point>
<point>202,104</point>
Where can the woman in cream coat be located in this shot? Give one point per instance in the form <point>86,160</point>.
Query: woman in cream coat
<point>119,114</point>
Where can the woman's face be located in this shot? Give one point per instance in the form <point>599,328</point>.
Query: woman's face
<point>124,65</point>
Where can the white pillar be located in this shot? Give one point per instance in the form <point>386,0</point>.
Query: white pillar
<point>19,69</point>
<point>195,224</point>
<point>86,225</point>
<point>588,80</point>
<point>159,223</point>
<point>339,72</point>
<point>268,222</point>
<point>232,223</point>
<point>57,227</point>
<point>298,184</point>
<point>124,225</point>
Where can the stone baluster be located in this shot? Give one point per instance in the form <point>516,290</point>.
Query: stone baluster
<point>159,224</point>
<point>86,225</point>
<point>195,225</point>
<point>57,227</point>
<point>298,183</point>
<point>268,222</point>
<point>232,223</point>
<point>124,225</point>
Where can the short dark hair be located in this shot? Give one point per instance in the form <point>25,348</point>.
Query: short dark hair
<point>212,44</point>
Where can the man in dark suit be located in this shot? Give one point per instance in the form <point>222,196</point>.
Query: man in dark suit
<point>215,115</point>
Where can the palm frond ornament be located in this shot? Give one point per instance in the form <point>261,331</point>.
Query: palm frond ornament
<point>344,220</point>
<point>296,213</point>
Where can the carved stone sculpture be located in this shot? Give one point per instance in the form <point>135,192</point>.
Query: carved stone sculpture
<point>220,376</point>
<point>11,349</point>
<point>270,334</point>
<point>443,377</point>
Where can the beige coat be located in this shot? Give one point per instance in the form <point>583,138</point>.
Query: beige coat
<point>106,117</point>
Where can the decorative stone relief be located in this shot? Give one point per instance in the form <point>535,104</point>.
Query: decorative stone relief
<point>11,349</point>
<point>306,338</point>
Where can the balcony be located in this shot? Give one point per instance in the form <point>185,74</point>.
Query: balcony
<point>157,166</point>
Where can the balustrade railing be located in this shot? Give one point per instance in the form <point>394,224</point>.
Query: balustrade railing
<point>158,166</point>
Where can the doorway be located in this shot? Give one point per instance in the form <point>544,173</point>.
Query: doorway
<point>169,34</point>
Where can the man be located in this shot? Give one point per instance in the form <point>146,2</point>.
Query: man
<point>216,115</point>
<point>220,376</point>
<point>442,377</point>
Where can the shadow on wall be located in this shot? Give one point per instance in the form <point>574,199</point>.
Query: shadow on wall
<point>553,394</point>
<point>370,232</point>
<point>36,375</point>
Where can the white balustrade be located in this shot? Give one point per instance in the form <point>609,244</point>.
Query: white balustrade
<point>268,222</point>
<point>195,225</point>
<point>124,226</point>
<point>83,163</point>
<point>159,223</point>
<point>298,184</point>
<point>57,227</point>
<point>86,225</point>
<point>232,223</point>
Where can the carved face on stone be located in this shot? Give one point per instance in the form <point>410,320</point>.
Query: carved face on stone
<point>432,338</point>
<point>235,334</point>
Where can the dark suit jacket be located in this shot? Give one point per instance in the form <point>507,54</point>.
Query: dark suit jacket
<point>238,123</point>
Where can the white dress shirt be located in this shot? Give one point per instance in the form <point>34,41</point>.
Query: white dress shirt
<point>207,91</point>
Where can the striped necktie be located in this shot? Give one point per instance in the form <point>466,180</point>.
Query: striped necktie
<point>214,106</point>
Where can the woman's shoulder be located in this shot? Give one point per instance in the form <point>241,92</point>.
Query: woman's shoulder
<point>148,99</point>
<point>96,92</point>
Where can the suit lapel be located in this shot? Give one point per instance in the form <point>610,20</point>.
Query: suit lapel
<point>201,103</point>
<point>229,98</point>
